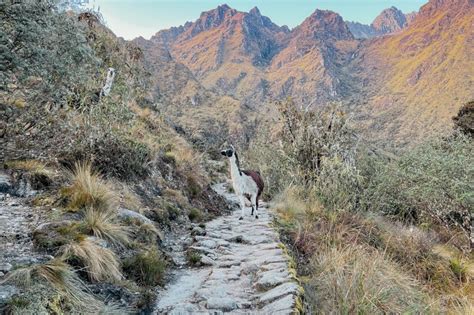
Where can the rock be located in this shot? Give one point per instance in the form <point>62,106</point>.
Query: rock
<point>237,239</point>
<point>6,292</point>
<point>270,279</point>
<point>198,231</point>
<point>224,304</point>
<point>207,261</point>
<point>208,244</point>
<point>278,292</point>
<point>5,267</point>
<point>127,214</point>
<point>249,268</point>
<point>1,274</point>
<point>284,305</point>
<point>5,183</point>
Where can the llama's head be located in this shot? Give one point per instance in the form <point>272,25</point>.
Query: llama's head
<point>229,152</point>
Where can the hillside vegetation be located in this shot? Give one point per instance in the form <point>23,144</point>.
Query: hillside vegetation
<point>371,232</point>
<point>109,175</point>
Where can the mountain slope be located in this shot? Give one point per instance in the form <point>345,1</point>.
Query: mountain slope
<point>227,68</point>
<point>420,77</point>
<point>307,69</point>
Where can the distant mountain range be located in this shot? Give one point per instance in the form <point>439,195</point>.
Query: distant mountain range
<point>404,76</point>
<point>391,20</point>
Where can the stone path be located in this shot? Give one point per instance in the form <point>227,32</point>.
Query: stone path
<point>16,245</point>
<point>245,272</point>
<point>16,224</point>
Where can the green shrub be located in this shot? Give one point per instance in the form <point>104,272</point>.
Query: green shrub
<point>193,257</point>
<point>195,214</point>
<point>432,181</point>
<point>115,156</point>
<point>147,267</point>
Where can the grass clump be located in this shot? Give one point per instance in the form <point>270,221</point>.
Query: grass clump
<point>101,264</point>
<point>31,166</point>
<point>88,189</point>
<point>146,268</point>
<point>353,280</point>
<point>333,250</point>
<point>102,224</point>
<point>193,257</point>
<point>54,279</point>
<point>458,268</point>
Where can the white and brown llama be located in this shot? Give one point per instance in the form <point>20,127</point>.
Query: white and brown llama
<point>247,184</point>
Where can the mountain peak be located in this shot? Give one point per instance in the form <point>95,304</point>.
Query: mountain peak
<point>255,11</point>
<point>389,21</point>
<point>325,24</point>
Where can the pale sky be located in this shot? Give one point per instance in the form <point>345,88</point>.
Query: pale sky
<point>133,18</point>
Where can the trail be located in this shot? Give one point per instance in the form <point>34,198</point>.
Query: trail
<point>246,271</point>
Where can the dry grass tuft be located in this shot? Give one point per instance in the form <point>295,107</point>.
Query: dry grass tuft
<point>60,277</point>
<point>354,280</point>
<point>101,264</point>
<point>32,166</point>
<point>102,224</point>
<point>89,189</point>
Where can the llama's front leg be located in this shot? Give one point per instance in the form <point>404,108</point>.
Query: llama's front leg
<point>255,205</point>
<point>242,206</point>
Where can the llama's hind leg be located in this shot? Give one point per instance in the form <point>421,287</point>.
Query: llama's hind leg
<point>255,205</point>
<point>242,207</point>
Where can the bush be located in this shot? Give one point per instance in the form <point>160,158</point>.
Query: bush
<point>430,183</point>
<point>464,120</point>
<point>195,214</point>
<point>147,267</point>
<point>37,41</point>
<point>312,148</point>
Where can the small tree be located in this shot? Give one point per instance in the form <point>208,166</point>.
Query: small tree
<point>464,120</point>
<point>311,137</point>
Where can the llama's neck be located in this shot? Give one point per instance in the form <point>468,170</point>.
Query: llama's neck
<point>234,168</point>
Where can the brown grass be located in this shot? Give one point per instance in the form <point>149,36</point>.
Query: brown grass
<point>354,280</point>
<point>89,189</point>
<point>60,277</point>
<point>334,250</point>
<point>103,225</point>
<point>101,264</point>
<point>32,166</point>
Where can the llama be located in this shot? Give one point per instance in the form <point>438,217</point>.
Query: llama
<point>247,184</point>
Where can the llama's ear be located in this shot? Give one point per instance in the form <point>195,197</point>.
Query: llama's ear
<point>233,149</point>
